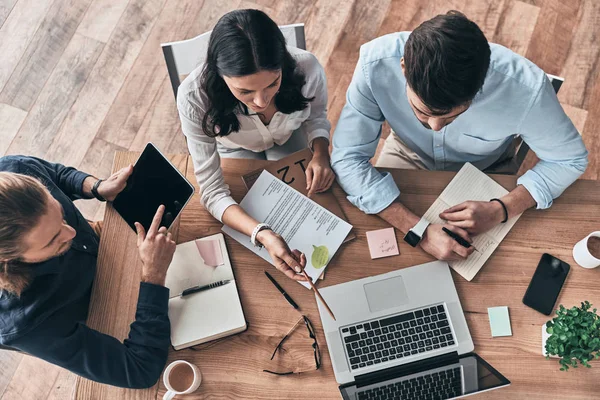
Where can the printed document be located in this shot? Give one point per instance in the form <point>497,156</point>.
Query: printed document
<point>472,184</point>
<point>303,224</point>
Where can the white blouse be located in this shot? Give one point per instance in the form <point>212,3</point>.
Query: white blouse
<point>253,134</point>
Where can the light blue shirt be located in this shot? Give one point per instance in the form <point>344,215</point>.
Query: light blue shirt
<point>516,98</point>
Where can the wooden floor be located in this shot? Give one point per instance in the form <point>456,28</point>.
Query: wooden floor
<point>81,79</point>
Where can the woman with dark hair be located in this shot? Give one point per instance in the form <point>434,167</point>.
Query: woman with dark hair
<point>256,98</point>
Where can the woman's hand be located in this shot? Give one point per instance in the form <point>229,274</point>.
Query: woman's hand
<point>319,175</point>
<point>285,260</point>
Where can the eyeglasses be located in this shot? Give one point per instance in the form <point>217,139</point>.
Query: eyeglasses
<point>315,346</point>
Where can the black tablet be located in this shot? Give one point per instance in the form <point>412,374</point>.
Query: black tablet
<point>154,181</point>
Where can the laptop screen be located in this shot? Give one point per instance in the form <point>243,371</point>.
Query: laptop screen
<point>466,375</point>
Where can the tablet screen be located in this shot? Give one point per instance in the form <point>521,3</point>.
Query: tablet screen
<point>154,181</point>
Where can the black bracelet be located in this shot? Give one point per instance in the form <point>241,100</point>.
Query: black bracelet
<point>95,190</point>
<point>504,208</point>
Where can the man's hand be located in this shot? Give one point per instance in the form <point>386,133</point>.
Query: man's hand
<point>437,243</point>
<point>156,248</point>
<point>285,260</point>
<point>475,217</point>
<point>110,188</point>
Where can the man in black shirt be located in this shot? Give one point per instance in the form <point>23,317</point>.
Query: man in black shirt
<point>48,254</point>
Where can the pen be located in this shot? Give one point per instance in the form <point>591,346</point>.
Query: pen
<point>287,296</point>
<point>458,239</point>
<point>196,289</point>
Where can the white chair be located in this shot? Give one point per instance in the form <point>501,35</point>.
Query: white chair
<point>184,56</point>
<point>519,149</point>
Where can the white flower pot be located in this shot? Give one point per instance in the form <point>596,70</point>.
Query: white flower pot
<point>545,336</point>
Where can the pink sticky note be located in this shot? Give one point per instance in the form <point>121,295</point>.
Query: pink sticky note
<point>382,243</point>
<point>210,251</point>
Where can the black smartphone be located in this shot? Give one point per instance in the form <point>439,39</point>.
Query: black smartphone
<point>546,283</point>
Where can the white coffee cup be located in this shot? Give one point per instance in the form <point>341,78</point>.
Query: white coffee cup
<point>173,386</point>
<point>582,255</point>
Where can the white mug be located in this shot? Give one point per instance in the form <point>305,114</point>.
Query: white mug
<point>582,255</point>
<point>171,392</point>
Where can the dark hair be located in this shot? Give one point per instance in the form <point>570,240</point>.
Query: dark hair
<point>242,43</point>
<point>446,60</point>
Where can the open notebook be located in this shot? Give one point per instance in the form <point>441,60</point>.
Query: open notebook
<point>472,184</point>
<point>210,314</point>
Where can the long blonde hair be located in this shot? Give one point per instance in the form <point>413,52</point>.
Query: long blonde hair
<point>23,201</point>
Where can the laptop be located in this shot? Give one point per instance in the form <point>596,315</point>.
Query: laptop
<point>403,335</point>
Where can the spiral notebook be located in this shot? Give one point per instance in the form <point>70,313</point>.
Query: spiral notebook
<point>211,314</point>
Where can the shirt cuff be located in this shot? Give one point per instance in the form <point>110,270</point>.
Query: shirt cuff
<point>378,197</point>
<point>219,209</point>
<point>78,179</point>
<point>536,187</point>
<point>317,133</point>
<point>153,296</point>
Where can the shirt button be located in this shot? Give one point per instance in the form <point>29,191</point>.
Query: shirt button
<point>84,247</point>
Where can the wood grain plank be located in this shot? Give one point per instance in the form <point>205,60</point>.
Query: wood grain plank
<point>323,27</point>
<point>516,26</point>
<point>581,68</point>
<point>117,288</point>
<point>56,98</point>
<point>6,7</point>
<point>553,34</point>
<point>17,32</point>
<point>11,119</point>
<point>139,90</point>
<point>9,362</point>
<point>361,26</point>
<point>155,119</point>
<point>63,387</point>
<point>591,133</point>
<point>43,53</point>
<point>23,387</point>
<point>101,19</point>
<point>102,86</point>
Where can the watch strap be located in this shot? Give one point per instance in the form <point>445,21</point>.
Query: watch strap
<point>416,233</point>
<point>95,190</point>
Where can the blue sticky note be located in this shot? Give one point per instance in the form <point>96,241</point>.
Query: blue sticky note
<point>499,321</point>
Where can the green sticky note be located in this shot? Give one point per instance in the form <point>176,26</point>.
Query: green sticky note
<point>499,321</point>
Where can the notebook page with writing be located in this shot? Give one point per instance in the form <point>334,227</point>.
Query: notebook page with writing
<point>472,184</point>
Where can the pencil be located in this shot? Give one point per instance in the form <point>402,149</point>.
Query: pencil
<point>312,285</point>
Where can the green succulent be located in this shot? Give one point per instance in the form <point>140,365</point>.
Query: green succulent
<point>574,336</point>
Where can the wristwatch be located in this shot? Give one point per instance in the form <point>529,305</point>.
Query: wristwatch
<point>416,233</point>
<point>95,190</point>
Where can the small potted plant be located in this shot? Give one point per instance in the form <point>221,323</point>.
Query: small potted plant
<point>574,336</point>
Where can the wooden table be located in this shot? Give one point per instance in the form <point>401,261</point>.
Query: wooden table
<point>232,367</point>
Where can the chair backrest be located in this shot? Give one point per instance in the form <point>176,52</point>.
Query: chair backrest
<point>520,148</point>
<point>184,56</point>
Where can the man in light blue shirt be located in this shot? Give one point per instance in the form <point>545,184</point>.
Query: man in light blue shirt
<point>450,98</point>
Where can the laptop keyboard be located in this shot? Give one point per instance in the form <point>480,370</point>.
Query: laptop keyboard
<point>437,386</point>
<point>394,337</point>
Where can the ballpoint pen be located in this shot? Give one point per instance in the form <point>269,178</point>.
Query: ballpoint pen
<point>287,296</point>
<point>460,240</point>
<point>197,289</point>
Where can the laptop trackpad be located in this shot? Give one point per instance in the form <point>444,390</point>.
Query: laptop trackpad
<point>388,293</point>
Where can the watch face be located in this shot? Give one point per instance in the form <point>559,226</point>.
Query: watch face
<point>412,238</point>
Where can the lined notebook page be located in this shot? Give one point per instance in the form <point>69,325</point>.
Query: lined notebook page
<point>472,184</point>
